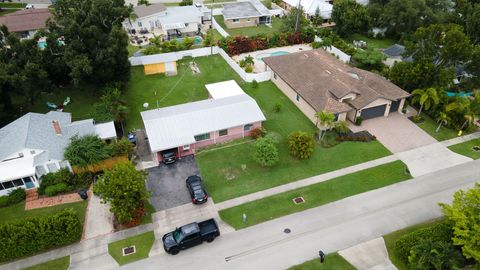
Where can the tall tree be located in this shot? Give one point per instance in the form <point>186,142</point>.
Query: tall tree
<point>295,20</point>
<point>464,213</point>
<point>325,120</point>
<point>472,24</point>
<point>95,43</point>
<point>350,17</point>
<point>426,98</point>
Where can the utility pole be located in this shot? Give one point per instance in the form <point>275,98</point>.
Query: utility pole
<point>298,15</point>
<point>211,27</point>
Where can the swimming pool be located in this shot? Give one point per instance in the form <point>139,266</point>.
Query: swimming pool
<point>461,94</point>
<point>196,40</point>
<point>42,44</point>
<point>263,55</point>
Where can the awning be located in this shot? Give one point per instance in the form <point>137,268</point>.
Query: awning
<point>171,26</point>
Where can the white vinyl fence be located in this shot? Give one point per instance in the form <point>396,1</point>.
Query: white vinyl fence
<point>220,30</point>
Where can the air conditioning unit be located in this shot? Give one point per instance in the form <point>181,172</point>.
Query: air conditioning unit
<point>186,147</point>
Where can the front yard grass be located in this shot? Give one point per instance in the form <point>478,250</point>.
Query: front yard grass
<point>466,148</point>
<point>17,211</point>
<point>182,88</point>
<point>58,264</point>
<point>251,31</point>
<point>373,43</point>
<point>315,195</point>
<point>142,242</point>
<point>392,238</point>
<point>429,125</point>
<point>236,162</point>
<point>13,5</point>
<point>332,261</point>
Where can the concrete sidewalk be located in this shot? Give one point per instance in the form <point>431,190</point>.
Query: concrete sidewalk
<point>461,139</point>
<point>305,182</point>
<point>369,255</point>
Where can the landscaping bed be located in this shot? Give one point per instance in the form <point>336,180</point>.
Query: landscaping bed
<point>429,125</point>
<point>231,172</point>
<point>332,262</point>
<point>315,195</point>
<point>58,264</point>
<point>142,242</point>
<point>251,31</point>
<point>373,43</point>
<point>470,149</point>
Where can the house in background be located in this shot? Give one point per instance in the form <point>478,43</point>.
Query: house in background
<point>245,14</point>
<point>156,19</point>
<point>394,54</point>
<point>26,22</point>
<point>310,7</point>
<point>228,114</point>
<point>317,81</point>
<point>33,145</point>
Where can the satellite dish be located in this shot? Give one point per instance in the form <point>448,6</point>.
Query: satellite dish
<point>145,105</point>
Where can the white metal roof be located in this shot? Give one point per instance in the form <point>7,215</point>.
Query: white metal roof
<point>175,126</point>
<point>106,130</point>
<point>16,168</point>
<point>310,7</point>
<point>182,14</point>
<point>224,89</point>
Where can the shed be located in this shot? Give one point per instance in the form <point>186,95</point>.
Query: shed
<point>160,63</point>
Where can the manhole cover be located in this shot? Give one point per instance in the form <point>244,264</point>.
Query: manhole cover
<point>476,148</point>
<point>287,230</point>
<point>298,200</point>
<point>128,250</point>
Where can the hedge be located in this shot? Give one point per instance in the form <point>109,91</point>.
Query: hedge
<point>439,232</point>
<point>25,237</point>
<point>64,181</point>
<point>102,166</point>
<point>15,196</point>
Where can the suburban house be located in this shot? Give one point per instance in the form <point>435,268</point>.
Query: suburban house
<point>394,54</point>
<point>317,81</point>
<point>245,14</point>
<point>228,114</point>
<point>33,145</point>
<point>310,7</point>
<point>26,22</point>
<point>169,22</point>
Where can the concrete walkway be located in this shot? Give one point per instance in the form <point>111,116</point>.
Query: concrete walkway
<point>98,218</point>
<point>305,182</point>
<point>461,139</point>
<point>371,255</point>
<point>331,227</point>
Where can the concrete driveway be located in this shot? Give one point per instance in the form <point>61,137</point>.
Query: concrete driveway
<point>167,183</point>
<point>396,132</point>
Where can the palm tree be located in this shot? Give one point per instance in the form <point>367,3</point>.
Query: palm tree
<point>325,119</point>
<point>469,117</point>
<point>443,119</point>
<point>426,98</point>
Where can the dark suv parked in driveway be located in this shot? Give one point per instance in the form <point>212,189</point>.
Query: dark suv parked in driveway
<point>196,190</point>
<point>169,157</point>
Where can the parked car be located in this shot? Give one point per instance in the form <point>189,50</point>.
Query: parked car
<point>169,157</point>
<point>196,189</point>
<point>190,235</point>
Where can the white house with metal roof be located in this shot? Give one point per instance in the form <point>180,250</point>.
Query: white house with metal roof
<point>33,145</point>
<point>245,14</point>
<point>167,21</point>
<point>187,127</point>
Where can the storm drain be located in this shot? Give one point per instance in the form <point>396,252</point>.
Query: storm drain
<point>129,250</point>
<point>476,148</point>
<point>287,230</point>
<point>298,200</point>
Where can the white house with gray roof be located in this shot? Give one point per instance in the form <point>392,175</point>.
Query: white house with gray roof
<point>245,14</point>
<point>33,145</point>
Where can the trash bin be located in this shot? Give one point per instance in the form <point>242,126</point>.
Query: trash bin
<point>83,194</point>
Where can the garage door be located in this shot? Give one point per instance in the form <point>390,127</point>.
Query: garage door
<point>394,106</point>
<point>373,112</point>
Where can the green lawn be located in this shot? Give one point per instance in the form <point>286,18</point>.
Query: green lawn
<point>466,149</point>
<point>391,239</point>
<point>252,31</point>
<point>7,11</point>
<point>143,243</point>
<point>168,91</point>
<point>332,262</point>
<point>429,125</point>
<point>315,195</point>
<point>58,264</point>
<point>132,49</point>
<point>13,5</point>
<point>236,161</point>
<point>148,218</point>
<point>17,211</point>
<point>374,43</point>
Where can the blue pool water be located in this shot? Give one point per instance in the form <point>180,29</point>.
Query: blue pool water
<point>263,55</point>
<point>42,44</point>
<point>461,94</point>
<point>196,40</point>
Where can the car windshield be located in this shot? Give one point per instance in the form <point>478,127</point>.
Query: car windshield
<point>177,235</point>
<point>168,155</point>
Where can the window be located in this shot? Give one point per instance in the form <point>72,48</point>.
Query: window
<point>336,116</point>
<point>202,137</point>
<point>1,187</point>
<point>186,147</point>
<point>7,185</point>
<point>236,20</point>
<point>248,19</point>
<point>32,152</point>
<point>18,182</point>
<point>52,167</point>
<point>298,97</point>
<point>247,127</point>
<point>275,76</point>
<point>186,24</point>
<point>64,164</point>
<point>223,132</point>
<point>139,24</point>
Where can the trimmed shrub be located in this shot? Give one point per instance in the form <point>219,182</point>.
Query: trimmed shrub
<point>25,237</point>
<point>49,179</point>
<point>277,107</point>
<point>257,133</point>
<point>15,196</point>
<point>438,232</point>
<point>301,144</point>
<point>57,189</point>
<point>265,153</point>
<point>249,69</point>
<point>254,84</point>
<point>358,121</point>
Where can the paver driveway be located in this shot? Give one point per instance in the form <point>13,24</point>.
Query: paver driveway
<point>167,183</point>
<point>396,132</point>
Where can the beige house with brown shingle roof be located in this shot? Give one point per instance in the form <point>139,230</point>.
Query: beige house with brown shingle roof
<point>26,22</point>
<point>317,81</point>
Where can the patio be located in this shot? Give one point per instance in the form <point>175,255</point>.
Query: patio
<point>259,66</point>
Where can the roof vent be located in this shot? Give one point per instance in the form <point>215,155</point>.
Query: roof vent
<point>328,71</point>
<point>56,127</point>
<point>306,55</point>
<point>354,75</point>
